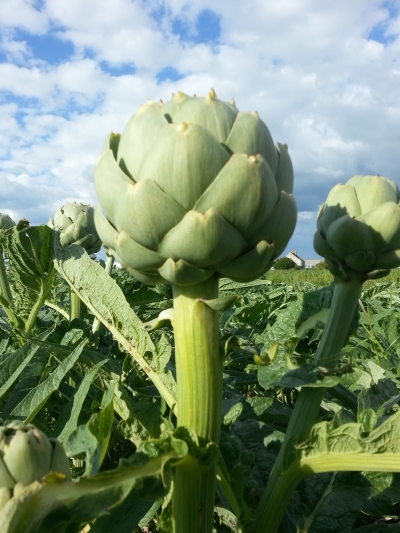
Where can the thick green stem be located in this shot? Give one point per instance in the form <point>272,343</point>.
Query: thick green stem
<point>278,492</point>
<point>77,308</point>
<point>199,397</point>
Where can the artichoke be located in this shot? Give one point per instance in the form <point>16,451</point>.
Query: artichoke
<point>194,188</point>
<point>27,455</point>
<point>358,227</point>
<point>76,226</point>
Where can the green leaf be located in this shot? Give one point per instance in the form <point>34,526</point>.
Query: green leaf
<point>92,438</point>
<point>229,519</point>
<point>308,311</point>
<point>133,512</point>
<point>12,364</point>
<point>331,502</point>
<point>106,301</point>
<point>30,254</point>
<point>223,303</point>
<point>315,376</point>
<point>27,409</point>
<point>68,419</point>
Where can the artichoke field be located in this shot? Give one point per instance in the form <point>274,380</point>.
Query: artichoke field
<point>193,188</point>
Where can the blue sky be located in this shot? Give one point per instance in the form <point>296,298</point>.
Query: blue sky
<point>324,76</point>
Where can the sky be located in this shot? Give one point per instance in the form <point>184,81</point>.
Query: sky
<point>323,75</point>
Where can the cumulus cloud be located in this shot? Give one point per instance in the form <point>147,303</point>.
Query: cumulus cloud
<point>323,75</point>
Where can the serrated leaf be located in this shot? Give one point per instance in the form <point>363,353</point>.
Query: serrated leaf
<point>68,419</point>
<point>12,364</point>
<point>92,438</point>
<point>307,311</point>
<point>30,254</point>
<point>106,301</point>
<point>27,409</point>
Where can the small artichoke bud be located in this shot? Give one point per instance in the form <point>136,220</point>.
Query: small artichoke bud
<point>27,455</point>
<point>192,189</point>
<point>75,223</point>
<point>358,227</point>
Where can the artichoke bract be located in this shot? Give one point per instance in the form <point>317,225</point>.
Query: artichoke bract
<point>358,227</point>
<point>27,455</point>
<point>194,188</point>
<point>75,222</point>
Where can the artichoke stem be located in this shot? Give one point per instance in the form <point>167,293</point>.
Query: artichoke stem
<point>77,308</point>
<point>199,397</point>
<point>279,490</point>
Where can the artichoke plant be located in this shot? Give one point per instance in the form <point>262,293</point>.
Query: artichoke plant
<point>358,227</point>
<point>75,223</point>
<point>27,455</point>
<point>191,191</point>
<point>193,188</point>
<point>358,234</point>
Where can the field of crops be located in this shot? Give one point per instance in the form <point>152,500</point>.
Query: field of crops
<point>108,393</point>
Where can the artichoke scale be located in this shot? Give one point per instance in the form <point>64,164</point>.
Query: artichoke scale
<point>375,190</point>
<point>203,240</point>
<point>244,192</point>
<point>342,200</point>
<point>250,266</point>
<point>347,235</point>
<point>183,273</point>
<point>184,161</point>
<point>284,175</point>
<point>388,260</point>
<point>279,225</point>
<point>139,136</point>
<point>138,213</point>
<point>135,255</point>
<point>249,135</point>
<point>110,183</point>
<point>384,222</point>
<point>213,114</point>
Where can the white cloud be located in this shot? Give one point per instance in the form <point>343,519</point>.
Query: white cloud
<point>22,14</point>
<point>308,68</point>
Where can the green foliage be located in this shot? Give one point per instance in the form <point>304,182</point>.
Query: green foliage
<point>321,266</point>
<point>109,397</point>
<point>284,263</point>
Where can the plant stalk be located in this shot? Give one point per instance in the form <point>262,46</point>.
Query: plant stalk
<point>199,399</point>
<point>77,308</point>
<point>278,491</point>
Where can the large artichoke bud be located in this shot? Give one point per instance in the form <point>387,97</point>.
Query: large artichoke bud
<point>27,455</point>
<point>75,223</point>
<point>358,227</point>
<point>193,188</point>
